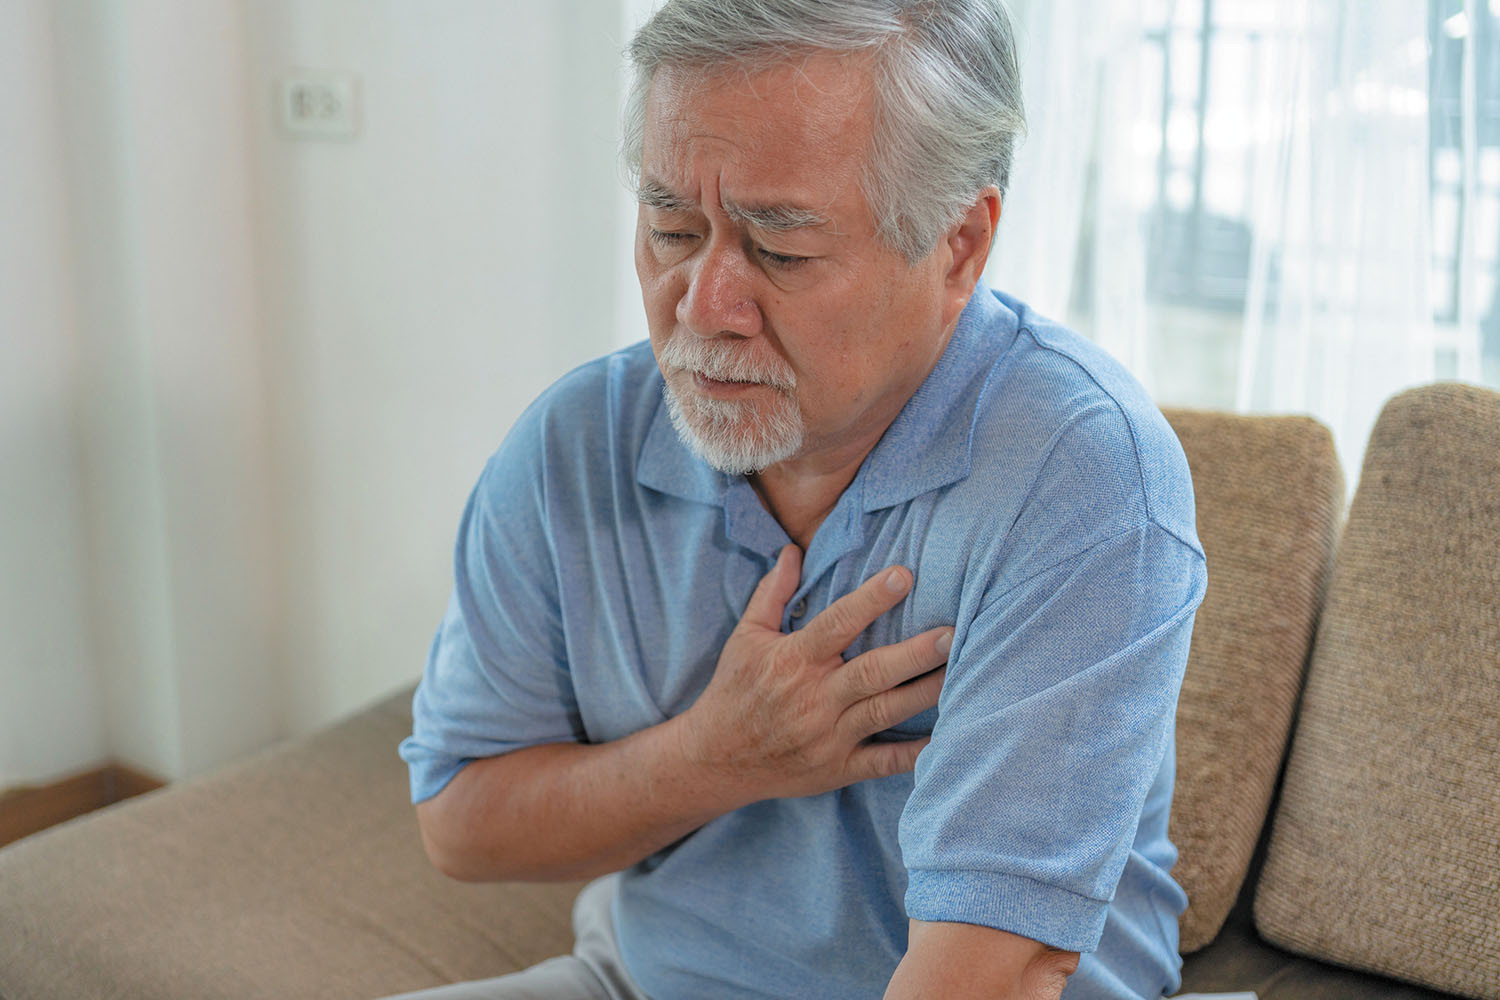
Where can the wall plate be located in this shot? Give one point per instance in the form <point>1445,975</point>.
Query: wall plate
<point>318,105</point>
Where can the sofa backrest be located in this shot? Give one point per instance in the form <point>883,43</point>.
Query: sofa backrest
<point>1385,853</point>
<point>1269,496</point>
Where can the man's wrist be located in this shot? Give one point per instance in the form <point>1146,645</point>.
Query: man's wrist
<point>698,763</point>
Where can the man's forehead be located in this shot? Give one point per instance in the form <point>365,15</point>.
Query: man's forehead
<point>779,147</point>
<point>680,122</point>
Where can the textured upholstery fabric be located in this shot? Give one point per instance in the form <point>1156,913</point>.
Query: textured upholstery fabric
<point>1385,853</point>
<point>1239,961</point>
<point>297,875</point>
<point>1269,493</point>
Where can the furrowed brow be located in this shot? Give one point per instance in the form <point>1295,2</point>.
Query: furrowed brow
<point>654,195</point>
<point>777,218</point>
<point>768,218</point>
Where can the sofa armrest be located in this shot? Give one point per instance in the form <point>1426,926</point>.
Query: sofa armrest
<point>299,873</point>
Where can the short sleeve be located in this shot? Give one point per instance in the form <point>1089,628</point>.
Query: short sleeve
<point>1055,718</point>
<point>497,677</point>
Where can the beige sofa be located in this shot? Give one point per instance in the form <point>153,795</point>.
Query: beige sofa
<point>1375,657</point>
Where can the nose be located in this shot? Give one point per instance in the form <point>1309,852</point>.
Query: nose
<point>719,298</point>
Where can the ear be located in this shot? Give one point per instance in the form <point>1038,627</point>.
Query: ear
<point>968,246</point>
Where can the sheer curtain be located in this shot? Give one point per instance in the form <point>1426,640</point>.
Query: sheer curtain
<point>1265,205</point>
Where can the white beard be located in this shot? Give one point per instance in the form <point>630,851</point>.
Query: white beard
<point>734,436</point>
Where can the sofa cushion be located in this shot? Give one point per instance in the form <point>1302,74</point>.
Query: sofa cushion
<point>1269,492</point>
<point>297,874</point>
<point>1385,853</point>
<point>1239,961</point>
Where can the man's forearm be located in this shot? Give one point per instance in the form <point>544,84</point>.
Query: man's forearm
<point>783,715</point>
<point>967,962</point>
<point>569,810</point>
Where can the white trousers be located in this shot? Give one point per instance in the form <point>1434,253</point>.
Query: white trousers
<point>593,972</point>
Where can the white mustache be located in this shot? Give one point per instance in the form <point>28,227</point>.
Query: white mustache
<point>723,363</point>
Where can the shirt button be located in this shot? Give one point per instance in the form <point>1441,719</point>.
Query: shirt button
<point>800,608</point>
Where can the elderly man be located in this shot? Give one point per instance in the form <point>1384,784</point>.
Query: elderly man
<point>845,622</point>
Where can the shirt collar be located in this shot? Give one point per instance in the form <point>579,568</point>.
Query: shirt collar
<point>926,447</point>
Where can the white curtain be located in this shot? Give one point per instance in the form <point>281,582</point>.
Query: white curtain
<point>1265,205</point>
<point>1342,220</point>
<point>1081,66</point>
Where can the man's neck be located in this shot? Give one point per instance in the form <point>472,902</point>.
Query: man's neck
<point>801,495</point>
<point>801,491</point>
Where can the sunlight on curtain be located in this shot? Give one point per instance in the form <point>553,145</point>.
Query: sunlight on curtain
<point>1338,311</point>
<point>1265,205</point>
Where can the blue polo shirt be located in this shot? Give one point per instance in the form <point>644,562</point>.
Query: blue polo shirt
<point>1046,510</point>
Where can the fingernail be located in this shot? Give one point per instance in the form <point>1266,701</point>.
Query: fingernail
<point>944,643</point>
<point>895,581</point>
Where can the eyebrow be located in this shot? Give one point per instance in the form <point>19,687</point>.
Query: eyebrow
<point>653,195</point>
<point>769,218</point>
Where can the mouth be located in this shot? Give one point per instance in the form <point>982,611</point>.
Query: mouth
<point>712,369</point>
<point>723,387</point>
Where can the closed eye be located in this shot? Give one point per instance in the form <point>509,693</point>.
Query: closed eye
<point>777,261</point>
<point>666,238</point>
<point>781,261</point>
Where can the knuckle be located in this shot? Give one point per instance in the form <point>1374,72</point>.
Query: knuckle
<point>895,758</point>
<point>871,762</point>
<point>864,676</point>
<point>841,618</point>
<point>870,716</point>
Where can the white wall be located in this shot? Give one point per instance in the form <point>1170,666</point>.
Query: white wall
<point>248,380</point>
<point>424,282</point>
<point>51,716</point>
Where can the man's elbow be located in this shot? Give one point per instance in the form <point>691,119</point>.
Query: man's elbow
<point>454,849</point>
<point>443,849</point>
<point>954,960</point>
<point>1047,973</point>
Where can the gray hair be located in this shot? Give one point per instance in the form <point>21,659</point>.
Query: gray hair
<point>948,104</point>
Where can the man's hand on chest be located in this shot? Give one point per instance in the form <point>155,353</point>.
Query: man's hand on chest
<point>785,715</point>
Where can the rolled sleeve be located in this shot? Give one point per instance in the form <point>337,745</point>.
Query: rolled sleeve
<point>1053,724</point>
<point>497,676</point>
